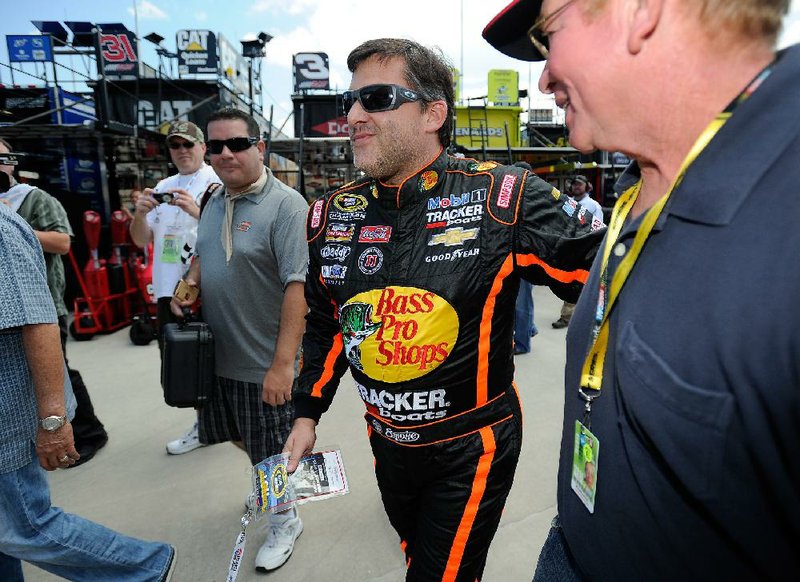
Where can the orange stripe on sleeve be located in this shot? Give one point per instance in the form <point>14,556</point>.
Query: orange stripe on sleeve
<point>471,510</point>
<point>578,275</point>
<point>485,332</point>
<point>327,370</point>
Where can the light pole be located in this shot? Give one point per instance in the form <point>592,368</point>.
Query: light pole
<point>254,49</point>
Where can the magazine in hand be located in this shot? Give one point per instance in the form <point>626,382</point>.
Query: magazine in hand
<point>318,476</point>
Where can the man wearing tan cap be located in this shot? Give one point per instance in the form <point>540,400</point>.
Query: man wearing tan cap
<point>168,215</point>
<point>683,354</point>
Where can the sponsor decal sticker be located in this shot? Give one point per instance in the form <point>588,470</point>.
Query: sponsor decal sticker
<point>555,193</point>
<point>569,206</point>
<point>506,188</point>
<point>347,215</point>
<point>437,202</point>
<point>597,224</point>
<point>316,213</point>
<point>582,215</point>
<point>370,261</point>
<point>375,234</point>
<point>334,273</point>
<point>428,180</point>
<point>454,255</point>
<point>453,216</point>
<point>279,480</point>
<point>453,237</point>
<point>244,225</point>
<point>402,436</point>
<point>398,333</point>
<point>350,202</point>
<point>338,232</point>
<point>335,252</point>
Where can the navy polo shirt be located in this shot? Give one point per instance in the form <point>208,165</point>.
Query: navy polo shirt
<point>699,414</point>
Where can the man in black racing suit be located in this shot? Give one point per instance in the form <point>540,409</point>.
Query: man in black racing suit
<point>412,282</point>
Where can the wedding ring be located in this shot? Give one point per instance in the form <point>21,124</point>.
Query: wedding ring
<point>64,459</point>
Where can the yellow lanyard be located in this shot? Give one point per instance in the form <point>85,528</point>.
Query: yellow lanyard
<point>592,374</point>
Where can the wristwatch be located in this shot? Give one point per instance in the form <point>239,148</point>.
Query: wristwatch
<point>52,423</point>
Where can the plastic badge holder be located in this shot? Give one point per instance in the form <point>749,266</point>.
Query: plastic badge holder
<point>319,475</point>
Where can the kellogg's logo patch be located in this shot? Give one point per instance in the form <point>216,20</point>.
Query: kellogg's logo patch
<point>506,188</point>
<point>398,333</point>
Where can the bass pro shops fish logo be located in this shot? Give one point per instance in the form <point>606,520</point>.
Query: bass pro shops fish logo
<point>398,333</point>
<point>357,325</point>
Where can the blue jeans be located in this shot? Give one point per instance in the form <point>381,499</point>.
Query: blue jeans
<point>556,563</point>
<point>524,327</point>
<point>64,544</point>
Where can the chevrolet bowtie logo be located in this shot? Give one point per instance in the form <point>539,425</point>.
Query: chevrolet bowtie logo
<point>454,237</point>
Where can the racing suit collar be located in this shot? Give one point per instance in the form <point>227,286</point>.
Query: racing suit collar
<point>418,186</point>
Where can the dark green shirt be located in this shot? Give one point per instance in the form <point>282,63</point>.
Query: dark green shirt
<point>43,212</point>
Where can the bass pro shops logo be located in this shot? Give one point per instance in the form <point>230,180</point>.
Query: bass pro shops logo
<point>398,333</point>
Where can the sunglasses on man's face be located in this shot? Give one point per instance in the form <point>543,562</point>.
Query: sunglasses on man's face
<point>176,145</point>
<point>375,98</point>
<point>234,144</point>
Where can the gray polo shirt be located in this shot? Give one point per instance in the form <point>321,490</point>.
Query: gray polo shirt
<point>242,299</point>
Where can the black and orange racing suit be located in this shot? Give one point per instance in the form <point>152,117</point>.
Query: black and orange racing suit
<point>414,288</point>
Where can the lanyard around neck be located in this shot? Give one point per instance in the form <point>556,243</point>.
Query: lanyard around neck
<point>592,372</point>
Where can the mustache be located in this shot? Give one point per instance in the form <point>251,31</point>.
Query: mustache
<point>359,129</point>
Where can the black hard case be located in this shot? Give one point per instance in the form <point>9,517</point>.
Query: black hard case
<point>187,368</point>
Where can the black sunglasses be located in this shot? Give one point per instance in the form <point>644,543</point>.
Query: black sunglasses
<point>374,98</point>
<point>234,144</point>
<point>176,145</point>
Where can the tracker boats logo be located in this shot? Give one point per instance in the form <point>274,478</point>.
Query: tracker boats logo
<point>398,333</point>
<point>411,406</point>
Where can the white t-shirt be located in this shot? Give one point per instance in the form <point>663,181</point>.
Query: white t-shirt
<point>591,205</point>
<point>174,231</point>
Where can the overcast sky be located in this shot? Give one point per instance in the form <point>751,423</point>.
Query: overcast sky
<point>331,26</point>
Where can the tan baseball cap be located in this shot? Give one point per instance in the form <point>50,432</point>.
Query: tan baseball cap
<point>187,130</point>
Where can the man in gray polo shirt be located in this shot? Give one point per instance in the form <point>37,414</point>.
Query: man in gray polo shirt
<point>250,264</point>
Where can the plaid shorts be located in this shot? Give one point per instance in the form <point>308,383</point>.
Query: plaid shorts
<point>234,411</point>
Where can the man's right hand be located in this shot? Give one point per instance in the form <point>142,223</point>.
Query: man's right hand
<point>177,305</point>
<point>146,202</point>
<point>300,442</point>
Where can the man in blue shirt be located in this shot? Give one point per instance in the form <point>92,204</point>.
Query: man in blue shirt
<point>683,354</point>
<point>35,403</point>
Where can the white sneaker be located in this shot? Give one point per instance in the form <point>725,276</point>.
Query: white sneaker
<point>186,444</point>
<point>281,535</point>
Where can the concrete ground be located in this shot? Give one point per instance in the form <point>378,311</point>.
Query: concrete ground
<point>195,501</point>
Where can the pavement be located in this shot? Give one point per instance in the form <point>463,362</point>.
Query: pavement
<point>195,501</point>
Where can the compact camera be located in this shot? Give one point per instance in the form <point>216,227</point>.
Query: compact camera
<point>163,197</point>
